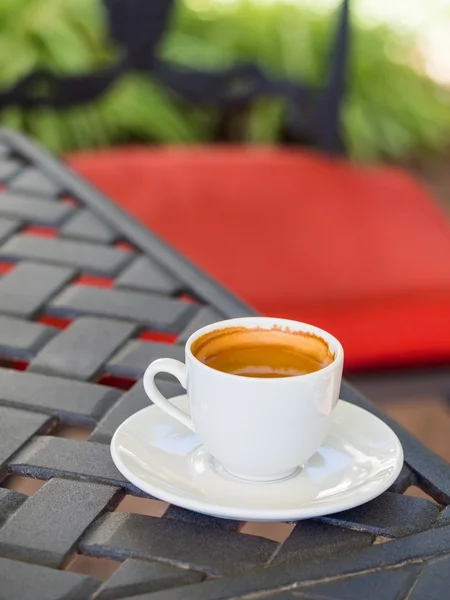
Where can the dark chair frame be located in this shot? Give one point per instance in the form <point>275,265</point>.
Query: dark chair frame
<point>137,26</point>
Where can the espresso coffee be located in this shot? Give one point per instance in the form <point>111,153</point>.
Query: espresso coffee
<point>262,352</point>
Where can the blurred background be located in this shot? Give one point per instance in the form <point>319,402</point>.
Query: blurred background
<point>394,144</point>
<point>396,107</point>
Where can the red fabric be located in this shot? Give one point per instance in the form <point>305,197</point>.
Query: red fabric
<point>361,252</point>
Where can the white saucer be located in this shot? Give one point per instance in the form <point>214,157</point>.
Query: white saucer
<point>359,460</point>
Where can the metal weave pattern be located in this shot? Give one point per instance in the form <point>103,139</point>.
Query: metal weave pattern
<point>88,298</point>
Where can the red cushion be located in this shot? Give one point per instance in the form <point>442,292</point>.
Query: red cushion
<point>361,252</point>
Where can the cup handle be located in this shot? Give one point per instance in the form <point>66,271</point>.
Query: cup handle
<point>178,370</point>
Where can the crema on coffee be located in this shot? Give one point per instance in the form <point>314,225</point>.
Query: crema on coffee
<point>261,352</point>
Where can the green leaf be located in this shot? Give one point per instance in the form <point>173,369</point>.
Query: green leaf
<point>392,110</point>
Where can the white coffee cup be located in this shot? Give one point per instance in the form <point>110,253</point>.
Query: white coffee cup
<point>260,429</point>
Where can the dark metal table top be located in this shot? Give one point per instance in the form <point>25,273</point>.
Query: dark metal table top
<point>88,297</point>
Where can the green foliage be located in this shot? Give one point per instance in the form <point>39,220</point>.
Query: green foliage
<point>391,111</point>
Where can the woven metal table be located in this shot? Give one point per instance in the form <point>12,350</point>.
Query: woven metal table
<point>88,298</point>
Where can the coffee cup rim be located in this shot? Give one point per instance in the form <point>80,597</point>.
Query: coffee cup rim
<point>333,344</point>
